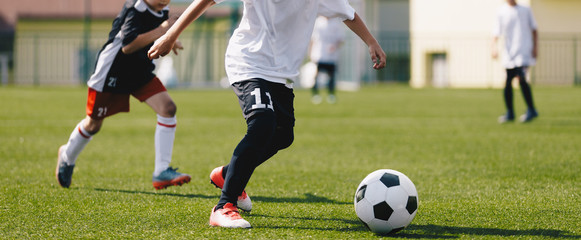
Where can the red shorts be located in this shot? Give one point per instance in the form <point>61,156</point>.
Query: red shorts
<point>104,104</point>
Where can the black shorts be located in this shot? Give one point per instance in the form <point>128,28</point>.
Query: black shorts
<point>258,95</point>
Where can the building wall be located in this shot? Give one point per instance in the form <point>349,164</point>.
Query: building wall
<point>559,61</point>
<point>11,10</point>
<point>558,16</point>
<point>457,31</point>
<point>451,40</point>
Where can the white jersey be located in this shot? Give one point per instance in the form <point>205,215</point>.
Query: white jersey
<point>273,37</point>
<point>516,24</point>
<point>328,35</point>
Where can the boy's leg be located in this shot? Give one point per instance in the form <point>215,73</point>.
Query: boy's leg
<point>508,93</point>
<point>68,153</point>
<point>285,121</point>
<point>256,102</point>
<point>283,136</point>
<point>97,108</point>
<point>331,70</point>
<point>79,138</point>
<point>316,98</point>
<point>527,95</point>
<point>248,153</point>
<point>155,95</point>
<point>525,88</point>
<point>164,131</point>
<point>508,97</point>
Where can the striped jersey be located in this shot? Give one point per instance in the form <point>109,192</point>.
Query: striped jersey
<point>116,71</point>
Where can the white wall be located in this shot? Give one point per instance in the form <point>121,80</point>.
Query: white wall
<point>462,30</point>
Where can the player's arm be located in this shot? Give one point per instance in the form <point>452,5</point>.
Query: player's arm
<point>535,43</point>
<point>494,47</point>
<point>165,43</point>
<point>377,54</point>
<point>144,39</point>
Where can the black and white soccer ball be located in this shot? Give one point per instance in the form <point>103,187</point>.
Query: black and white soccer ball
<point>386,201</point>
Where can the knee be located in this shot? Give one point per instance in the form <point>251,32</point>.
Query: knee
<point>169,109</point>
<point>92,126</point>
<point>508,83</point>
<point>284,137</point>
<point>262,125</point>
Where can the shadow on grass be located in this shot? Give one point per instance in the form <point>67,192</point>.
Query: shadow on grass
<point>309,198</point>
<point>354,224</point>
<point>157,193</point>
<point>444,232</point>
<point>422,231</point>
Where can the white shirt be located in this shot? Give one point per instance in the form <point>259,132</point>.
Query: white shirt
<point>273,37</point>
<point>516,24</point>
<point>328,35</point>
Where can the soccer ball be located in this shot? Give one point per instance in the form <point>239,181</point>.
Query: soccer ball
<point>386,201</point>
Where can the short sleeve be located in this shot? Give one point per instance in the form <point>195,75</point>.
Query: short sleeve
<point>130,27</point>
<point>532,21</point>
<point>336,9</point>
<point>219,1</point>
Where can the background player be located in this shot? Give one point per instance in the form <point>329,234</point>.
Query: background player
<point>124,69</point>
<point>328,36</point>
<point>519,28</point>
<point>262,60</point>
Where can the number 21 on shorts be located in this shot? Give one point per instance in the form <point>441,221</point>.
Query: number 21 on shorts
<point>258,99</point>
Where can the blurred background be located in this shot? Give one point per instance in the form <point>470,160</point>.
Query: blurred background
<point>430,43</point>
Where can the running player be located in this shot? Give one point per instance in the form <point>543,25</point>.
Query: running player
<point>124,69</point>
<point>262,59</point>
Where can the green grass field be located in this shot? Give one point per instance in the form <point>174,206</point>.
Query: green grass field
<point>476,179</point>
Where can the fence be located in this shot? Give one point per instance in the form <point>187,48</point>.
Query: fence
<point>49,58</point>
<point>53,58</point>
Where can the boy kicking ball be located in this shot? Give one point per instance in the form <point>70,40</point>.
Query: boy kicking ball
<point>124,69</point>
<point>262,59</point>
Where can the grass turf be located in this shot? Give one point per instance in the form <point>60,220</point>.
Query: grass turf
<point>476,179</point>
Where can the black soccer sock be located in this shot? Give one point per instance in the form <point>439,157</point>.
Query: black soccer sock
<point>247,155</point>
<point>508,102</point>
<point>508,93</point>
<point>526,92</point>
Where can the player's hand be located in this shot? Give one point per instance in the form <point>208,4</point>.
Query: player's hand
<point>177,46</point>
<point>161,47</point>
<point>377,56</point>
<point>494,53</point>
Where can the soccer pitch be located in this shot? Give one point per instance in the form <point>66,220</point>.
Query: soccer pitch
<point>476,179</point>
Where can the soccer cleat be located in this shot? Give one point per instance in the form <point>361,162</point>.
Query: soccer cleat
<point>170,177</point>
<point>506,118</point>
<point>228,217</point>
<point>217,179</point>
<point>316,99</point>
<point>64,172</point>
<point>529,116</point>
<point>331,99</point>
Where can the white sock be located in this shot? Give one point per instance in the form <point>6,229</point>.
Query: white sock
<point>164,138</point>
<point>77,141</point>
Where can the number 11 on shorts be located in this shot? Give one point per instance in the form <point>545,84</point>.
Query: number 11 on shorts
<point>258,100</point>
